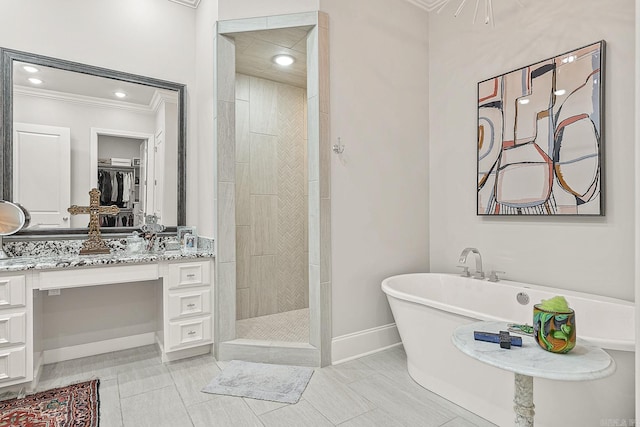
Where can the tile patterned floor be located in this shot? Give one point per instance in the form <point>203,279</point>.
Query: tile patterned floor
<point>137,390</point>
<point>290,326</point>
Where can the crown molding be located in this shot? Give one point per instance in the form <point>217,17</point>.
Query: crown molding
<point>190,3</point>
<point>160,96</point>
<point>81,99</point>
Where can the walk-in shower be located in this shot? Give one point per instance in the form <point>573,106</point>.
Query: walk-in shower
<point>273,260</point>
<point>271,192</point>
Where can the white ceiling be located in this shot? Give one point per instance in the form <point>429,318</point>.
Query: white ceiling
<point>255,51</point>
<point>73,83</point>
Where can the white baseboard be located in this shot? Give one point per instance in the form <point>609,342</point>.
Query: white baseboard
<point>99,347</point>
<point>361,343</point>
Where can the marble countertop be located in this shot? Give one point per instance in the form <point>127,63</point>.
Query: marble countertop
<point>584,362</point>
<point>44,262</point>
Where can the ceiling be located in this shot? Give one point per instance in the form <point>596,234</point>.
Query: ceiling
<point>255,51</point>
<point>84,85</point>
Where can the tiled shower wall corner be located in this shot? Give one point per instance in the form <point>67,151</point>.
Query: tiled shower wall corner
<point>271,198</point>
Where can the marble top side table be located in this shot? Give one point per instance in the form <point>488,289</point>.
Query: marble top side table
<point>584,362</point>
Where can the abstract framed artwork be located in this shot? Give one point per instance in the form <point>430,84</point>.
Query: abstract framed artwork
<point>540,141</point>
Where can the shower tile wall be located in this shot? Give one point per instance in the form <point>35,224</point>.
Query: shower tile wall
<point>271,198</point>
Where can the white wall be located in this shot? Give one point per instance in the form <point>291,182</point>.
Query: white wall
<point>379,107</point>
<point>139,37</point>
<point>205,161</point>
<point>593,255</point>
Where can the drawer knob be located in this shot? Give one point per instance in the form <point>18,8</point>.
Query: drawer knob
<point>191,275</point>
<point>191,305</point>
<point>191,333</point>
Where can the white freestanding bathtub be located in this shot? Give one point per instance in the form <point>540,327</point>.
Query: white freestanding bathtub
<point>428,307</point>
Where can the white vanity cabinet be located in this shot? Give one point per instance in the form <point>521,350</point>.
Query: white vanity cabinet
<point>187,302</point>
<point>184,318</point>
<point>16,335</point>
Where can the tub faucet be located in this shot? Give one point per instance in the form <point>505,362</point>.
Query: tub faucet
<point>479,274</point>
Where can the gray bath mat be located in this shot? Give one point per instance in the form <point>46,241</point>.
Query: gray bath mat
<point>278,383</point>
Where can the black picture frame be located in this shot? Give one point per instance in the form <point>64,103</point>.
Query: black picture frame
<point>540,137</point>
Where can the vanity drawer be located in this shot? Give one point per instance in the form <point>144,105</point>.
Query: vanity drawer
<point>13,292</point>
<point>93,276</point>
<point>189,274</point>
<point>13,328</point>
<point>13,364</point>
<point>189,332</point>
<point>189,303</point>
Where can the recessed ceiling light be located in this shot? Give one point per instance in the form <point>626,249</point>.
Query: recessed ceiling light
<point>569,59</point>
<point>560,92</point>
<point>35,81</point>
<point>120,94</point>
<point>284,60</point>
<point>30,69</point>
<point>523,101</point>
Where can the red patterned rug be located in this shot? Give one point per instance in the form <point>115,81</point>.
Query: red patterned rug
<point>76,405</point>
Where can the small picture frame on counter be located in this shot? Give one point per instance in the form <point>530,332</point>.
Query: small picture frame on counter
<point>172,245</point>
<point>184,230</point>
<point>190,242</point>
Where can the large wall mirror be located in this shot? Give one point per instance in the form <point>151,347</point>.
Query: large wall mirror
<point>69,127</point>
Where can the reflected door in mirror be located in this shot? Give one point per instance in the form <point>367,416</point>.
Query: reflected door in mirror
<point>42,178</point>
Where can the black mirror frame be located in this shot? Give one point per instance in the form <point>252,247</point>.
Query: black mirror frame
<point>7,56</point>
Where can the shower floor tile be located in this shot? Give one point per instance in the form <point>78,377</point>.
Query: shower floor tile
<point>290,326</point>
